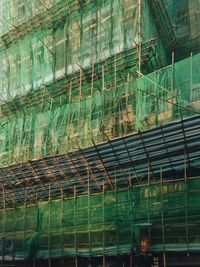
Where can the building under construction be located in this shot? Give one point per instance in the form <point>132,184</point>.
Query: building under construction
<point>99,133</point>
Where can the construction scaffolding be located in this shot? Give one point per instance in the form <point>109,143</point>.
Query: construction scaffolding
<point>124,160</point>
<point>55,124</point>
<point>99,129</point>
<point>185,20</point>
<point>101,199</point>
<point>107,223</point>
<point>77,42</point>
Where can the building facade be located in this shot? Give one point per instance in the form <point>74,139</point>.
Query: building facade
<point>99,136</point>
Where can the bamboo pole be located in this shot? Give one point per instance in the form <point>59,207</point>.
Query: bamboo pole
<point>75,212</point>
<point>162,218</point>
<point>139,34</point>
<point>104,261</point>
<point>49,237</point>
<point>89,234</point>
<point>25,206</point>
<point>4,225</point>
<point>61,219</point>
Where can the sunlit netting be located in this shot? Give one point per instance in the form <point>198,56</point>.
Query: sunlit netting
<point>55,125</point>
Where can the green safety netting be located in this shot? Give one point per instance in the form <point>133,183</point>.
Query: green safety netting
<point>185,17</point>
<point>14,13</point>
<point>63,45</point>
<point>169,94</point>
<point>107,223</point>
<point>88,35</point>
<point>138,104</point>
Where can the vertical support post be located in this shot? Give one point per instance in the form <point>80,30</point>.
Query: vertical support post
<point>76,261</point>
<point>103,81</point>
<point>79,102</point>
<point>162,218</point>
<point>164,260</point>
<point>132,224</point>
<point>25,204</point>
<point>29,141</point>
<point>70,92</point>
<point>4,224</point>
<point>115,73</point>
<point>104,262</point>
<point>51,104</point>
<point>92,82</point>
<point>80,83</point>
<point>43,95</point>
<point>75,225</point>
<point>14,228</point>
<point>62,212</point>
<point>90,121</point>
<point>173,95</point>
<point>139,34</point>
<point>191,76</point>
<point>186,203</point>
<point>60,102</point>
<point>149,183</point>
<point>131,260</point>
<point>89,235</point>
<point>127,102</point>
<point>172,58</point>
<point>130,190</point>
<point>173,78</point>
<point>36,204</point>
<point>49,262</point>
<point>49,238</point>
<point>79,116</point>
<point>102,99</point>
<point>185,167</point>
<point>116,214</point>
<point>149,173</point>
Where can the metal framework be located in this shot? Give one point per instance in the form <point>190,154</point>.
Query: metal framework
<point>126,161</point>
